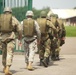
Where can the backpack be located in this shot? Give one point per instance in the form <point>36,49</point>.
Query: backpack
<point>6,23</point>
<point>28,27</point>
<point>42,23</point>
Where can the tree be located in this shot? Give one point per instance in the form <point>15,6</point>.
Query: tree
<point>20,12</point>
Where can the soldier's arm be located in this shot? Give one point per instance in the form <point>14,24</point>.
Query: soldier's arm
<point>16,23</point>
<point>50,24</point>
<point>37,28</point>
<point>18,27</point>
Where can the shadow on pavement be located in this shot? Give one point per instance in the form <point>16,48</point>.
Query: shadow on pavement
<point>13,71</point>
<point>62,59</point>
<point>1,71</point>
<point>51,63</point>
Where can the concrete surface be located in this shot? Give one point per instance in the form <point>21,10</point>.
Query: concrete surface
<point>66,65</point>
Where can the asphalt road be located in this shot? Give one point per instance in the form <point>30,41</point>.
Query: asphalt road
<point>66,65</point>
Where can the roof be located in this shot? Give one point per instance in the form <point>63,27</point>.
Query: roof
<point>63,13</point>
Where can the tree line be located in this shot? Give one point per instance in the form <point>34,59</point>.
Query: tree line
<point>20,12</point>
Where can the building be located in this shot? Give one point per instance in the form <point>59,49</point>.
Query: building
<point>16,3</point>
<point>68,15</point>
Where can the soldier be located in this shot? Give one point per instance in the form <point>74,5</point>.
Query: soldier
<point>9,25</point>
<point>44,51</point>
<point>61,35</point>
<point>31,33</point>
<point>59,27</point>
<point>56,47</point>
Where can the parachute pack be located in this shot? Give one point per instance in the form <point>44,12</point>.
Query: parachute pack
<point>28,27</point>
<point>6,23</point>
<point>42,23</point>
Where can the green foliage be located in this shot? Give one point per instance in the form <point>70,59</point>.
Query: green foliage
<point>20,12</point>
<point>70,31</point>
<point>37,12</point>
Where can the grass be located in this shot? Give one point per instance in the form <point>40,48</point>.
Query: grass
<point>70,31</point>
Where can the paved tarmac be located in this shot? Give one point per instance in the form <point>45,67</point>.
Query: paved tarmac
<point>66,65</point>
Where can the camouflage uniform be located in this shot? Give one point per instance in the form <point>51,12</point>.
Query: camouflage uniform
<point>45,50</point>
<point>8,42</point>
<point>62,31</point>
<point>60,28</point>
<point>30,41</point>
<point>55,42</point>
<point>61,34</point>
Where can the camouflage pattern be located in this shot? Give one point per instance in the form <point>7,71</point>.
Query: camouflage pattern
<point>55,41</point>
<point>58,23</point>
<point>8,46</point>
<point>30,42</point>
<point>45,49</point>
<point>7,53</point>
<point>30,49</point>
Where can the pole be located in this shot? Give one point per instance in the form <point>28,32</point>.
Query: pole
<point>1,6</point>
<point>29,4</point>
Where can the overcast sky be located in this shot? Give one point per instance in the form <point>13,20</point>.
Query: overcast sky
<point>63,4</point>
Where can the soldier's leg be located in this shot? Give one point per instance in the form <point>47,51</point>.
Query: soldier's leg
<point>53,54</point>
<point>9,58</point>
<point>41,53</point>
<point>4,55</point>
<point>54,46</point>
<point>47,53</point>
<point>26,48</point>
<point>57,51</point>
<point>32,50</point>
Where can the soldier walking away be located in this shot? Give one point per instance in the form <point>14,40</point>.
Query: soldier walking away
<point>58,23</point>
<point>31,34</point>
<point>45,51</point>
<point>9,25</point>
<point>61,35</point>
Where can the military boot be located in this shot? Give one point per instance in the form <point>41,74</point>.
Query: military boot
<point>53,57</point>
<point>44,61</point>
<point>29,67</point>
<point>47,60</point>
<point>57,57</point>
<point>7,72</point>
<point>41,62</point>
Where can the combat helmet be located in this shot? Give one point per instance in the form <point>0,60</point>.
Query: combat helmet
<point>43,14</point>
<point>29,13</point>
<point>7,9</point>
<point>54,15</point>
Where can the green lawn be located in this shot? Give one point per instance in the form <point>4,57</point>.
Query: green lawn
<point>70,31</point>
